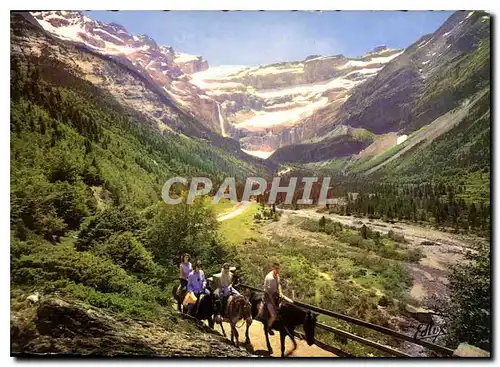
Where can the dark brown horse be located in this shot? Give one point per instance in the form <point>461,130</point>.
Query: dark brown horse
<point>237,308</point>
<point>289,317</point>
<point>179,292</point>
<point>204,308</point>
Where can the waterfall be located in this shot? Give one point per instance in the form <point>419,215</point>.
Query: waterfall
<point>221,120</point>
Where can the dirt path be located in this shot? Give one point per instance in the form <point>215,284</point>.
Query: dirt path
<point>236,210</point>
<point>258,342</point>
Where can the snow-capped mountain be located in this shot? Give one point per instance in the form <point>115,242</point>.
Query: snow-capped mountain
<point>113,39</point>
<point>429,88</point>
<point>162,64</point>
<point>261,105</point>
<point>257,105</point>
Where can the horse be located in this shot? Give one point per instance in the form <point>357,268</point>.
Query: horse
<point>204,310</point>
<point>289,317</point>
<point>237,308</point>
<point>178,294</point>
<point>201,311</point>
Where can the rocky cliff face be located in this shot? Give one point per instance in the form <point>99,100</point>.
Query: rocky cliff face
<point>436,74</point>
<point>65,327</point>
<point>162,64</point>
<point>190,64</point>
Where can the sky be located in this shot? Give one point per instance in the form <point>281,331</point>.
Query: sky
<point>257,38</point>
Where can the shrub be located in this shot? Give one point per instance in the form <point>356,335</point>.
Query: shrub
<point>415,254</point>
<point>73,202</point>
<point>389,252</point>
<point>276,217</point>
<point>321,223</point>
<point>363,231</point>
<point>33,207</point>
<point>52,263</point>
<point>383,301</point>
<point>48,208</point>
<point>126,252</point>
<point>51,268</point>
<point>396,236</point>
<point>395,279</point>
<point>112,220</point>
<point>377,239</point>
<point>267,213</point>
<point>353,239</point>
<point>470,300</point>
<point>310,225</point>
<point>124,304</point>
<point>172,230</point>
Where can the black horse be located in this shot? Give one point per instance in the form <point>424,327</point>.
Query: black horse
<point>204,310</point>
<point>201,311</point>
<point>289,317</point>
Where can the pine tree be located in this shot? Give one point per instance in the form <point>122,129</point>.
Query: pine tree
<point>322,223</point>
<point>472,217</point>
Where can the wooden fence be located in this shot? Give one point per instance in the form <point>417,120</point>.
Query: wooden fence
<point>444,351</point>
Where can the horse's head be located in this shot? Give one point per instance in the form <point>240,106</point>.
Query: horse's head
<point>247,293</point>
<point>236,279</point>
<point>310,327</point>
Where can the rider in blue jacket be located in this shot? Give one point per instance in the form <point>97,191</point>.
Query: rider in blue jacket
<point>197,283</point>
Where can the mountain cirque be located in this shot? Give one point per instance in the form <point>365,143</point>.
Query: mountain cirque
<point>262,105</point>
<point>257,105</point>
<point>302,103</point>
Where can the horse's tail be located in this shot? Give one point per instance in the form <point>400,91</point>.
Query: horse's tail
<point>174,292</point>
<point>178,293</point>
<point>217,306</point>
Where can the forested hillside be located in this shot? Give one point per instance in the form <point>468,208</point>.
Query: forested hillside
<point>87,220</point>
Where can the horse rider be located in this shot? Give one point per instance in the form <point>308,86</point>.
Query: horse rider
<point>197,284</point>
<point>273,296</point>
<point>225,288</point>
<point>185,268</point>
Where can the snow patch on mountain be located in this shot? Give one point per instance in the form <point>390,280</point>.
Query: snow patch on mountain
<point>264,119</point>
<point>259,153</point>
<point>374,60</point>
<point>181,57</point>
<point>275,70</point>
<point>309,89</point>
